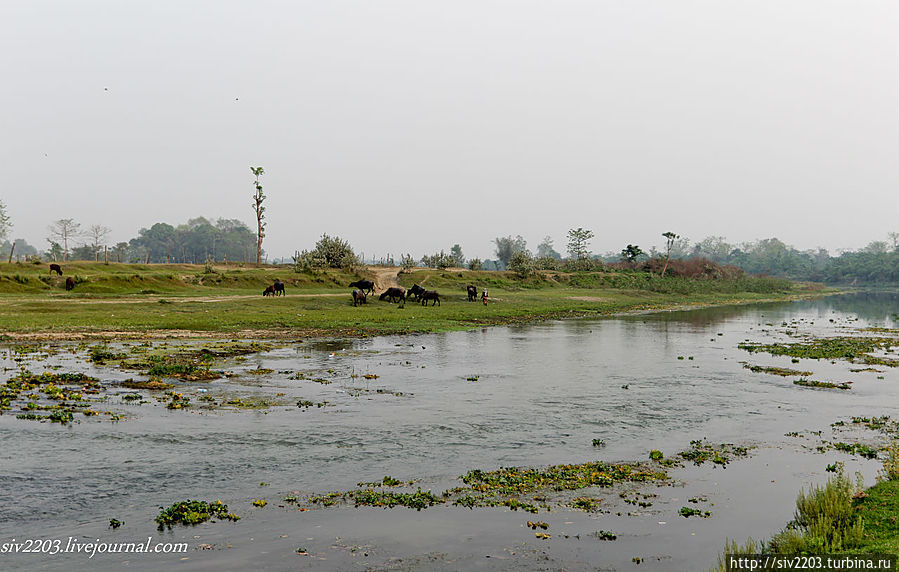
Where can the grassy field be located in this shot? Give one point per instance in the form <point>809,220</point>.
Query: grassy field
<point>124,300</point>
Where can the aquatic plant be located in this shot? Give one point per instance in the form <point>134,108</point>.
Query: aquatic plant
<point>115,523</point>
<point>260,503</point>
<point>687,512</point>
<point>701,451</point>
<point>852,349</point>
<point>193,512</point>
<point>824,522</point>
<point>781,371</point>
<point>656,455</point>
<point>821,384</point>
<point>605,535</point>
<point>538,524</point>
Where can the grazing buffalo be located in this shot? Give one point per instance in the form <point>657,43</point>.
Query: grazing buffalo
<point>416,291</point>
<point>279,288</point>
<point>358,297</point>
<point>364,285</point>
<point>56,268</point>
<point>269,291</point>
<point>472,293</point>
<point>69,283</point>
<point>430,295</point>
<point>398,293</point>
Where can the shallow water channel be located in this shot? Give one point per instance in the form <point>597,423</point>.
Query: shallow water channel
<point>433,407</point>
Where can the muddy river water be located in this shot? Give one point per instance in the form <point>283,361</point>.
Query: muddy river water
<point>431,407</point>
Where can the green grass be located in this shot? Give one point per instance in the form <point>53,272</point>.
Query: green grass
<point>135,299</point>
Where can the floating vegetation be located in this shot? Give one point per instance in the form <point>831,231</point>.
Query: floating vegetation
<point>856,449</point>
<point>387,481</point>
<point>687,512</point>
<point>543,535</point>
<point>114,523</point>
<point>388,499</point>
<point>473,378</point>
<point>259,371</point>
<point>178,401</point>
<point>852,349</point>
<point>605,535</point>
<point>656,455</point>
<point>538,524</point>
<point>260,503</point>
<point>599,443</point>
<point>821,384</point>
<point>771,370</point>
<point>153,384</point>
<point>701,451</point>
<point>193,512</point>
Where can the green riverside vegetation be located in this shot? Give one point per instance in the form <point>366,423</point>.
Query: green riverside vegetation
<point>121,300</point>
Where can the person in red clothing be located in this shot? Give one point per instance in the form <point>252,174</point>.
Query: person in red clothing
<point>484,297</point>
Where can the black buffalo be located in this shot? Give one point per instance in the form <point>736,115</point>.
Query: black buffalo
<point>358,297</point>
<point>279,288</point>
<point>269,291</point>
<point>70,284</point>
<point>393,294</point>
<point>364,285</point>
<point>416,291</point>
<point>56,268</point>
<point>430,295</point>
<point>472,293</point>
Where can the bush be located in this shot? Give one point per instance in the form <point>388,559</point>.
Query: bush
<point>522,263</point>
<point>475,264</point>
<point>329,252</point>
<point>824,521</point>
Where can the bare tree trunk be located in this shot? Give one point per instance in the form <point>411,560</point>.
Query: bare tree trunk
<point>11,250</point>
<point>664,268</point>
<point>105,255</point>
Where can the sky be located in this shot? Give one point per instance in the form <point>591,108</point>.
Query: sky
<point>408,126</point>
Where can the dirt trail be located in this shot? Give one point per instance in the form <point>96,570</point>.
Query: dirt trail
<point>385,277</point>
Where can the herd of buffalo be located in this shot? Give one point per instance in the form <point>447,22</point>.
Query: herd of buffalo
<point>361,290</point>
<point>395,294</point>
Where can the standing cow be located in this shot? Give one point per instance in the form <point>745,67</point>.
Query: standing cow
<point>472,293</point>
<point>269,291</point>
<point>358,297</point>
<point>70,284</point>
<point>416,291</point>
<point>430,295</point>
<point>56,268</point>
<point>363,285</point>
<point>279,287</point>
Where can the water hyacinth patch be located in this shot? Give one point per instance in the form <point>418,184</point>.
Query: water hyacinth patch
<point>193,512</point>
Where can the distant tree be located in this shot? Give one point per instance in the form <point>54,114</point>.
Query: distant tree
<point>438,260</point>
<point>670,237</point>
<point>475,264</point>
<point>458,258</point>
<point>5,223</point>
<point>407,262</point>
<point>522,263</point>
<point>258,197</point>
<point>55,250</point>
<point>62,231</point>
<point>507,246</point>
<point>876,247</point>
<point>97,234</point>
<point>715,248</point>
<point>577,244</point>
<point>631,253</point>
<point>894,239</point>
<point>120,251</point>
<point>545,249</point>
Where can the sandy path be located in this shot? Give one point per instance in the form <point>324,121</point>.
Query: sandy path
<point>385,277</point>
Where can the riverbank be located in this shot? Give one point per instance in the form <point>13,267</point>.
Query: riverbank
<point>121,301</point>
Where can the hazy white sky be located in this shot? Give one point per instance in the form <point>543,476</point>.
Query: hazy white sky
<point>408,126</point>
